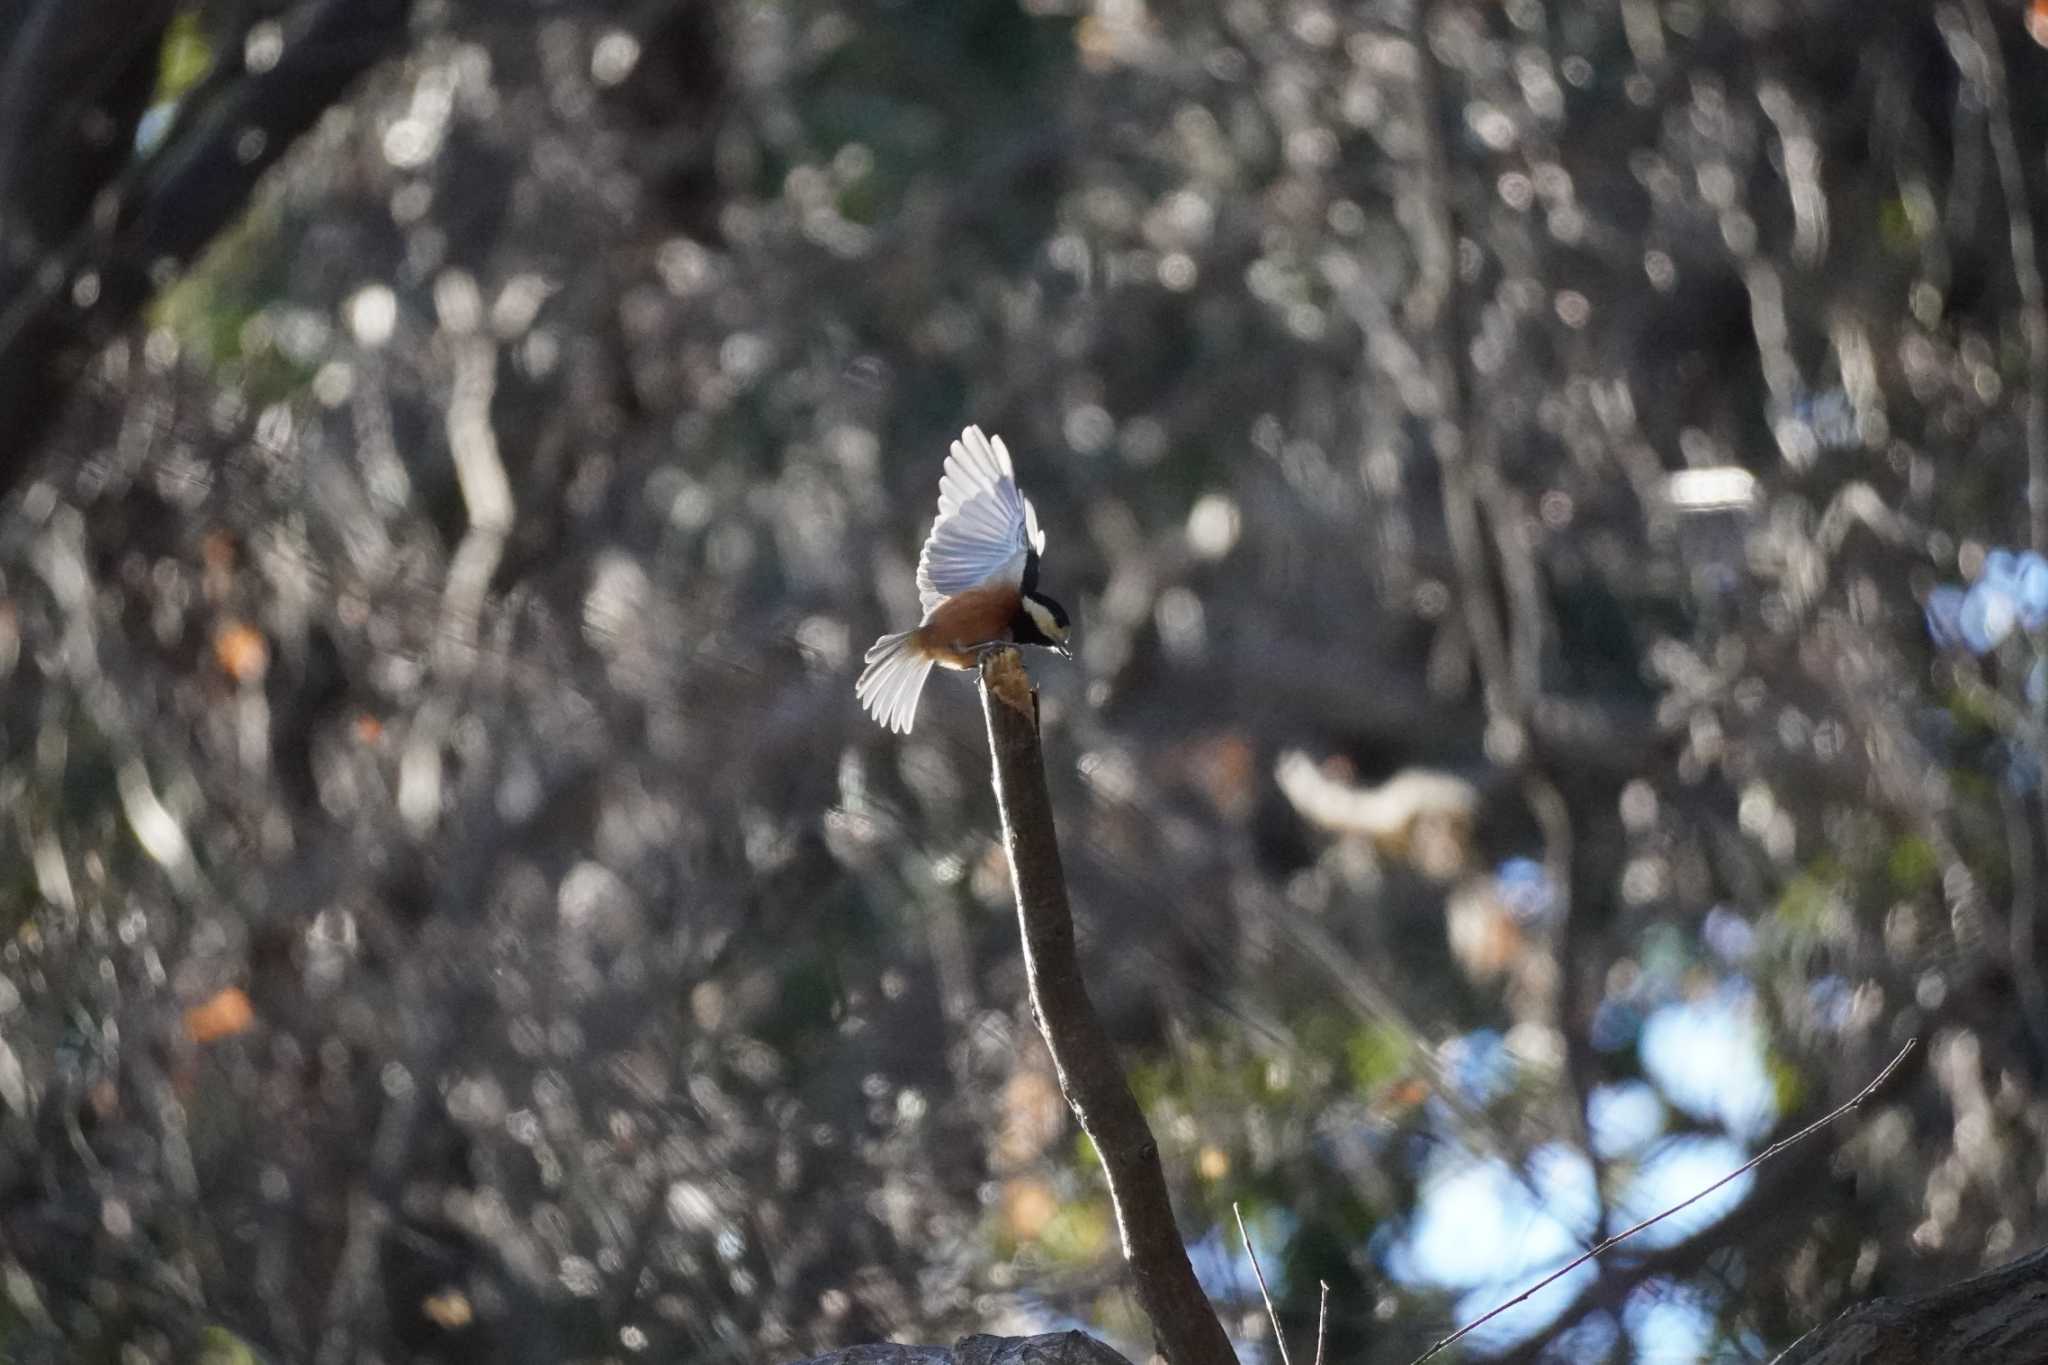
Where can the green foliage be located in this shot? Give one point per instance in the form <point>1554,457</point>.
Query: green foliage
<point>221,311</point>
<point>1912,866</point>
<point>1806,899</point>
<point>1081,1233</point>
<point>1377,1055</point>
<point>219,1346</point>
<point>185,58</point>
<point>1789,1085</point>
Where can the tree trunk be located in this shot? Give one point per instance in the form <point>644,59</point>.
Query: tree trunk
<point>1997,1318</point>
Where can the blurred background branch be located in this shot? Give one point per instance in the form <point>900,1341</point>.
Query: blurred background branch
<point>95,221</point>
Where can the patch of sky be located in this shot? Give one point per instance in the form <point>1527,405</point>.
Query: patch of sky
<point>1225,1271</point>
<point>1479,1064</point>
<point>1623,1117</point>
<point>151,127</point>
<point>1524,886</point>
<point>2011,593</point>
<point>1593,1339</point>
<point>1668,1322</point>
<point>1479,1227</point>
<point>1675,1172</point>
<point>1224,1268</point>
<point>1707,1056</point>
<point>1729,935</point>
<point>1482,1229</point>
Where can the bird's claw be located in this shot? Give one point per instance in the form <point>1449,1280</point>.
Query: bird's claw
<point>982,651</point>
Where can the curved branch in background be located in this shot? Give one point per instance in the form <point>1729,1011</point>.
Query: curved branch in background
<point>87,224</point>
<point>1090,1078</point>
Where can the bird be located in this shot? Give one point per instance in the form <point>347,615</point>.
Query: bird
<point>977,584</point>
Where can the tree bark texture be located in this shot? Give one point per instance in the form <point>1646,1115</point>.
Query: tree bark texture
<point>1053,1348</point>
<point>1090,1077</point>
<point>1997,1318</point>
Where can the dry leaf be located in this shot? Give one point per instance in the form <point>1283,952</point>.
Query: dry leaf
<point>217,554</point>
<point>241,652</point>
<point>1028,1206</point>
<point>448,1309</point>
<point>226,1014</point>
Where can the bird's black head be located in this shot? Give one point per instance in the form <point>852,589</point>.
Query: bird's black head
<point>1042,621</point>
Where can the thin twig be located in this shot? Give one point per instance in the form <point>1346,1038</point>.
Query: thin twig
<point>1433,309</point>
<point>1279,1337</point>
<point>1322,1319</point>
<point>1744,1169</point>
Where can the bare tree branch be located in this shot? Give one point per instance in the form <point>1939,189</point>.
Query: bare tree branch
<point>1083,1057</point>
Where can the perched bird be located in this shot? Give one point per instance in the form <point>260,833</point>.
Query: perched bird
<point>977,582</point>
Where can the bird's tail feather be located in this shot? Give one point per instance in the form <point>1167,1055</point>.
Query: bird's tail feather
<point>892,681</point>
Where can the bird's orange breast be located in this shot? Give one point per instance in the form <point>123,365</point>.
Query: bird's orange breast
<point>952,631</point>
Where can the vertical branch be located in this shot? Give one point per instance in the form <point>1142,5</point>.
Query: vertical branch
<point>1090,1078</point>
<point>1486,529</point>
<point>1432,309</point>
<point>1989,60</point>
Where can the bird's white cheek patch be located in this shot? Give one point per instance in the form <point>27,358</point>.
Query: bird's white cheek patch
<point>1043,619</point>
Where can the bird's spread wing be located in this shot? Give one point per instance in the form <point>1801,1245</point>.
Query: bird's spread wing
<point>986,530</point>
